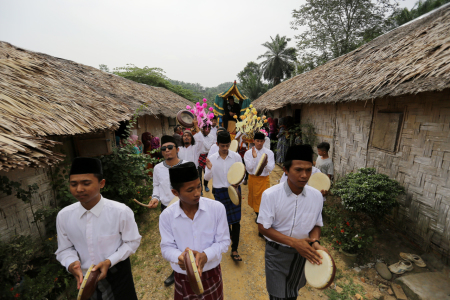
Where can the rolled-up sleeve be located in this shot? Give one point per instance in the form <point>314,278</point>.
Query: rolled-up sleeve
<point>250,161</point>
<point>270,162</point>
<point>130,237</point>
<point>169,248</point>
<point>221,238</point>
<point>66,253</point>
<point>266,211</point>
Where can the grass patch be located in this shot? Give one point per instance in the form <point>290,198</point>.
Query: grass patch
<point>349,288</point>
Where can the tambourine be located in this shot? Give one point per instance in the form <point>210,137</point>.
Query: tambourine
<point>236,173</point>
<point>89,284</point>
<point>261,164</point>
<point>192,273</point>
<point>234,146</point>
<point>186,118</point>
<point>321,276</point>
<point>234,194</point>
<point>320,181</point>
<point>231,127</point>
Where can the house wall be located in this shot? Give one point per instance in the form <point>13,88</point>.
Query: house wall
<point>421,164</point>
<point>16,217</point>
<point>156,126</point>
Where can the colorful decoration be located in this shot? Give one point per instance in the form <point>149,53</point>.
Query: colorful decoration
<point>250,122</point>
<point>203,117</point>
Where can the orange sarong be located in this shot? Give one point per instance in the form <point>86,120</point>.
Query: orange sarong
<point>256,186</point>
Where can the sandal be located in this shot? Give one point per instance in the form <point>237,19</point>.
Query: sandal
<point>235,257</point>
<point>414,258</point>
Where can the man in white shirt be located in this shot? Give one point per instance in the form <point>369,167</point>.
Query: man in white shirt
<point>208,140</point>
<point>198,224</point>
<point>217,167</point>
<point>97,231</point>
<point>162,190</point>
<point>242,149</point>
<point>290,217</point>
<point>214,148</point>
<point>213,130</point>
<point>258,184</point>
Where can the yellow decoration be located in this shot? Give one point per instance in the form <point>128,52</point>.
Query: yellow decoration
<point>259,118</point>
<point>251,105</point>
<point>235,117</point>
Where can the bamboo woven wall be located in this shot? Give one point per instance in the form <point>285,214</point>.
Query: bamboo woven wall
<point>421,164</point>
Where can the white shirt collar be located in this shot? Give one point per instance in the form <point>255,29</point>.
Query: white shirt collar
<point>289,192</point>
<point>228,155</point>
<point>96,210</point>
<point>179,211</point>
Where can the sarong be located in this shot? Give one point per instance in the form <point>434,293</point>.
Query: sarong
<point>256,186</point>
<point>285,271</point>
<point>233,211</point>
<point>212,285</point>
<point>202,160</point>
<point>118,283</point>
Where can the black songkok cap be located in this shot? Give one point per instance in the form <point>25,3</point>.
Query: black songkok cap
<point>223,138</point>
<point>86,165</point>
<point>183,173</point>
<point>167,139</point>
<point>259,136</point>
<point>300,152</point>
<point>220,129</point>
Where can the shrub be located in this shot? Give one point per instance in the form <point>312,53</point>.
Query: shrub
<point>351,236</point>
<point>368,192</point>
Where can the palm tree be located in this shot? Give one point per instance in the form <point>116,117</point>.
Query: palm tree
<point>279,59</point>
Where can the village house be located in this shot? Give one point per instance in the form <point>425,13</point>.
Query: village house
<point>53,109</point>
<point>386,105</point>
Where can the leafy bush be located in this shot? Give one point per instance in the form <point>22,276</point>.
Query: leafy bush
<point>351,236</point>
<point>368,192</point>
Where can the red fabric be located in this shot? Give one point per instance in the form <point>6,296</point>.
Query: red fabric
<point>202,160</point>
<point>212,285</point>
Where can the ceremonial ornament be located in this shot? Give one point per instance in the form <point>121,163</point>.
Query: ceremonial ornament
<point>321,276</point>
<point>89,284</point>
<point>186,118</point>
<point>192,273</point>
<point>236,173</point>
<point>231,127</point>
<point>234,146</point>
<point>249,122</point>
<point>234,194</point>
<point>261,164</point>
<point>320,181</point>
<point>203,117</point>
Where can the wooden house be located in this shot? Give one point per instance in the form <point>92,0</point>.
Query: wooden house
<point>386,105</point>
<point>50,106</point>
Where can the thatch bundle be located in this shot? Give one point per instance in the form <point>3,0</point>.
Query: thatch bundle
<point>41,95</point>
<point>410,59</point>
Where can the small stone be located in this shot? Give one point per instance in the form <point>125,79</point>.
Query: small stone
<point>358,297</point>
<point>390,292</point>
<point>377,295</point>
<point>357,269</point>
<point>339,289</point>
<point>383,286</point>
<point>383,270</point>
<point>363,279</point>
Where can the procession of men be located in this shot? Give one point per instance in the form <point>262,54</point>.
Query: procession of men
<point>191,222</point>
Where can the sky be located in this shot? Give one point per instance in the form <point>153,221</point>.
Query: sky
<point>197,41</point>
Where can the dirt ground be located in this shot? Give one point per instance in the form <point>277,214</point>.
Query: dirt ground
<point>246,280</point>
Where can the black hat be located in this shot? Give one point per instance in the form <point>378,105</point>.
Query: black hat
<point>259,136</point>
<point>167,139</point>
<point>223,138</point>
<point>183,173</point>
<point>221,129</point>
<point>86,165</point>
<point>300,152</point>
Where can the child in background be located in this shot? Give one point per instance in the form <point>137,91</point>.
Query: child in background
<point>324,162</point>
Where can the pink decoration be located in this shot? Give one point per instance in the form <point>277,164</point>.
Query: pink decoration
<point>192,111</point>
<point>211,109</point>
<point>205,105</point>
<point>211,115</point>
<point>204,100</point>
<point>188,107</point>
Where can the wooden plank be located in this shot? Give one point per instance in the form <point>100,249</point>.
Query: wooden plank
<point>422,160</point>
<point>385,130</point>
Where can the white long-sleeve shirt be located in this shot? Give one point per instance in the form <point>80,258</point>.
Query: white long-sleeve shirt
<point>266,143</point>
<point>208,141</point>
<point>207,233</point>
<point>192,153</point>
<point>290,214</point>
<point>107,231</point>
<point>161,182</point>
<point>214,149</point>
<point>220,168</point>
<point>213,133</point>
<point>251,163</point>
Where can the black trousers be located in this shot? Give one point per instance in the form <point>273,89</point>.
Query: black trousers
<point>235,231</point>
<point>200,173</point>
<point>276,298</point>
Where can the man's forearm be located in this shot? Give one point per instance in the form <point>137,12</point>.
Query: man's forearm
<point>276,236</point>
<point>315,233</point>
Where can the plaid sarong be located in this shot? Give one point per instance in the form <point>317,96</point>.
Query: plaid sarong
<point>212,285</point>
<point>202,160</point>
<point>233,211</point>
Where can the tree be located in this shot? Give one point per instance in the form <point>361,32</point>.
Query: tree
<point>250,80</point>
<point>279,59</point>
<point>402,16</point>
<point>336,27</point>
<point>104,68</point>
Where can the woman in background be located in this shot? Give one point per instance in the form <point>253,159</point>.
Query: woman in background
<point>282,143</point>
<point>134,140</point>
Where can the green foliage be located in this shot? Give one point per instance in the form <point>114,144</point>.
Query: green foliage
<point>250,81</point>
<point>279,59</point>
<point>368,192</point>
<point>349,289</point>
<point>351,235</point>
<point>402,16</point>
<point>332,28</point>
<point>203,92</point>
<point>306,131</point>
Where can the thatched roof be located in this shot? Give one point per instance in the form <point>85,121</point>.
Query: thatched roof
<point>41,95</point>
<point>411,59</point>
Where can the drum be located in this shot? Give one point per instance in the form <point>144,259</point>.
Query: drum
<point>320,181</point>
<point>234,146</point>
<point>321,276</point>
<point>89,284</point>
<point>231,126</point>
<point>175,199</point>
<point>235,195</point>
<point>236,173</point>
<point>186,118</point>
<point>261,164</point>
<point>192,273</point>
